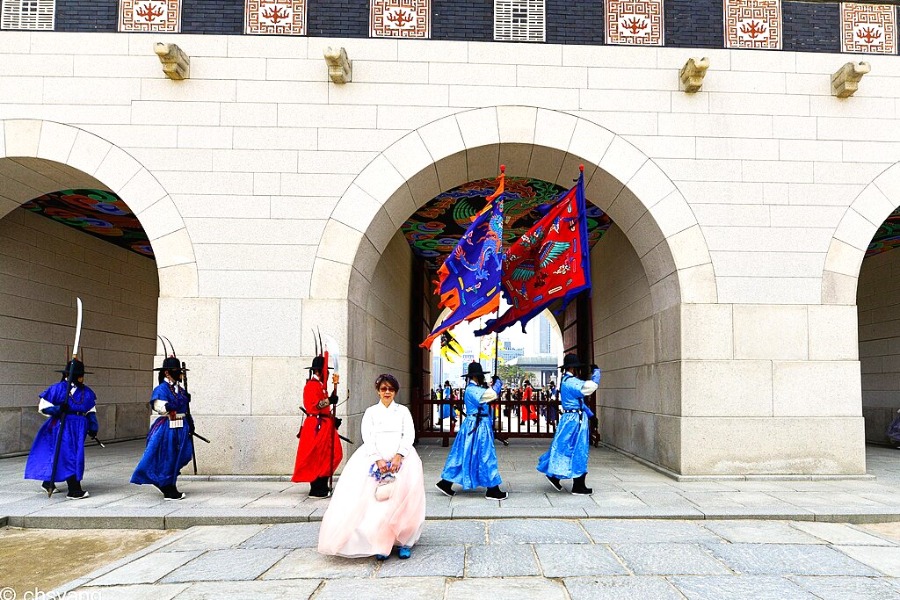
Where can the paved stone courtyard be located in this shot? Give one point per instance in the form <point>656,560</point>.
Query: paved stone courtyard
<point>623,488</point>
<point>520,559</point>
<point>641,535</point>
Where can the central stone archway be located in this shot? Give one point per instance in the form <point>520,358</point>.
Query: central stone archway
<point>361,240</point>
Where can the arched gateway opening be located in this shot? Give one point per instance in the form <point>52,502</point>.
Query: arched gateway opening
<point>80,217</point>
<point>652,262</point>
<point>862,275</point>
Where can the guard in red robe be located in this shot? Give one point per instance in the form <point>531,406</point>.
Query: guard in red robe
<point>319,452</point>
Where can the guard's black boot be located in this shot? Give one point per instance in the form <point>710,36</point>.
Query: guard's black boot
<point>579,488</point>
<point>495,493</point>
<point>555,483</point>
<point>75,492</point>
<point>446,487</point>
<point>170,492</point>
<point>48,487</point>
<point>319,488</point>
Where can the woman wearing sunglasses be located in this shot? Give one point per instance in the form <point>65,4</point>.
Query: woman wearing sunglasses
<point>379,499</point>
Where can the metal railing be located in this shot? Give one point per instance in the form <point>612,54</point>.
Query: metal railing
<point>513,416</point>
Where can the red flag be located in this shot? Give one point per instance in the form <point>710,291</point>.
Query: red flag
<point>549,262</point>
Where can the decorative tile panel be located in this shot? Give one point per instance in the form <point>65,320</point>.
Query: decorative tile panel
<point>150,15</point>
<point>870,28</point>
<point>753,24</point>
<point>400,18</point>
<point>636,22</point>
<point>285,17</point>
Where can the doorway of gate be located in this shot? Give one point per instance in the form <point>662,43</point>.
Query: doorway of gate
<point>528,363</point>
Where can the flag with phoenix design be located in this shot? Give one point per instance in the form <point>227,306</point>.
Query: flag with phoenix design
<point>551,261</point>
<point>468,282</point>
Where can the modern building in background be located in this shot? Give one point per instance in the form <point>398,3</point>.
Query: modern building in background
<point>239,175</point>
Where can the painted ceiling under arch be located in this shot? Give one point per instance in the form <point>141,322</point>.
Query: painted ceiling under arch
<point>434,230</point>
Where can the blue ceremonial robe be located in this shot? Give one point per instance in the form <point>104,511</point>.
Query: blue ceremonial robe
<point>446,410</point>
<point>168,450</point>
<point>472,461</point>
<point>567,457</point>
<point>71,449</point>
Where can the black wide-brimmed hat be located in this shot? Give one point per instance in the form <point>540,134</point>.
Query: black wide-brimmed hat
<point>571,361</point>
<point>171,364</point>
<point>77,368</point>
<point>318,363</point>
<point>475,370</point>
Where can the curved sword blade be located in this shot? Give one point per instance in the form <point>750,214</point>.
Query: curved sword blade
<point>77,327</point>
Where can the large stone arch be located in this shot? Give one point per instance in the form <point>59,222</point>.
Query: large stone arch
<point>656,224</point>
<point>532,142</point>
<point>53,150</point>
<point>854,233</point>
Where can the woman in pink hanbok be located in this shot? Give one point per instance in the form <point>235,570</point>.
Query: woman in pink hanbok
<point>379,499</point>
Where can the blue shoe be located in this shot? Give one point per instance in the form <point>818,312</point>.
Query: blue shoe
<point>381,557</point>
<point>404,552</point>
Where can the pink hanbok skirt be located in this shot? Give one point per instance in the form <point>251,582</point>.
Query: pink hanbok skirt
<point>357,524</point>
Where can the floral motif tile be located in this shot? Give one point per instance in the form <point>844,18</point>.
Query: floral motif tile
<point>753,24</point>
<point>870,28</point>
<point>284,17</point>
<point>150,15</point>
<point>400,18</point>
<point>638,22</point>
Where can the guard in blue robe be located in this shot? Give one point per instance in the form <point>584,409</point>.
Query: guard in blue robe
<point>74,408</point>
<point>472,461</point>
<point>446,409</point>
<point>169,443</point>
<point>567,457</point>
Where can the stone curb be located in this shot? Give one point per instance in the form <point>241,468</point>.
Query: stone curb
<point>179,522</point>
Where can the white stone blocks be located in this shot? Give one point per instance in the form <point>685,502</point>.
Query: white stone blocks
<point>191,323</point>
<point>783,446</point>
<point>357,208</point>
<point>282,92</point>
<point>21,90</point>
<point>833,333</point>
<point>178,281</point>
<point>260,327</point>
<point>157,112</point>
<point>117,168</point>
<point>326,116</point>
<point>277,386</point>
<point>195,91</point>
<point>141,191</point>
<point>339,242</point>
<point>254,284</point>
<point>589,142</point>
<point>467,74</point>
<point>826,389</point>
<point>707,332</point>
<point>386,93</point>
<point>476,96</point>
<point>408,156</point>
<point>245,114</point>
<point>22,137</point>
<point>736,148</point>
<point>855,230</point>
<point>330,280</point>
<point>688,248</point>
<point>771,332</point>
<point>174,249</point>
<point>275,138</point>
<point>56,142</point>
<point>731,388</point>
<point>113,91</point>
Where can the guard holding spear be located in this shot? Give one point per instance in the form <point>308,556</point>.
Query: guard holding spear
<point>169,443</point>
<point>319,452</point>
<point>57,453</point>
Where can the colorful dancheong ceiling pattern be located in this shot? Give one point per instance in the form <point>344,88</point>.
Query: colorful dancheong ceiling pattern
<point>888,235</point>
<point>95,212</point>
<point>434,230</point>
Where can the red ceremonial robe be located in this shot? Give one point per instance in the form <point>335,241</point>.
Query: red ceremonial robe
<point>316,437</point>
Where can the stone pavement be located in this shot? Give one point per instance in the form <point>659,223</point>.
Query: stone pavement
<point>623,488</point>
<point>517,559</point>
